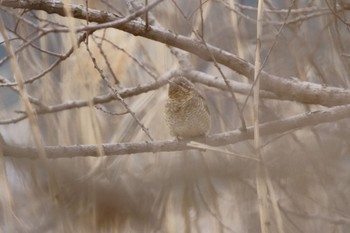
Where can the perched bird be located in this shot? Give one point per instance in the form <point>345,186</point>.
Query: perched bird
<point>186,112</point>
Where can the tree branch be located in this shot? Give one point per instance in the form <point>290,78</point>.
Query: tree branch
<point>195,76</point>
<point>287,88</point>
<point>232,137</point>
<point>126,92</point>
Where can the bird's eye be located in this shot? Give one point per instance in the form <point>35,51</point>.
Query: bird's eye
<point>183,84</point>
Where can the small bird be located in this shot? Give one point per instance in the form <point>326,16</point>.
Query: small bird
<point>186,112</point>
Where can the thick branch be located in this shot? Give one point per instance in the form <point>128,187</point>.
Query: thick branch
<point>268,128</point>
<point>290,89</point>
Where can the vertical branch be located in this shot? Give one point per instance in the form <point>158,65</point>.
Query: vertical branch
<point>260,174</point>
<point>256,79</point>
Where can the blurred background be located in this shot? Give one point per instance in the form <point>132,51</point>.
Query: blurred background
<point>187,191</point>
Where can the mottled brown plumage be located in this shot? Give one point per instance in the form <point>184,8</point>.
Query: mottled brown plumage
<point>186,112</point>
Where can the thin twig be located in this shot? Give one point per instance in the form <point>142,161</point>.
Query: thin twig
<point>99,46</point>
<point>109,112</point>
<point>136,60</point>
<point>117,94</point>
<point>50,68</point>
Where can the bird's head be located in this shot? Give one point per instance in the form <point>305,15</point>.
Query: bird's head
<point>180,88</point>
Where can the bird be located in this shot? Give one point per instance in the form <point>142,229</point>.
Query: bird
<point>187,114</point>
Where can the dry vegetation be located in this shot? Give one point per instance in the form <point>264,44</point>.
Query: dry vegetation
<point>85,147</point>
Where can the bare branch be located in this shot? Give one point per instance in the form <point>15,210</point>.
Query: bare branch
<point>304,92</point>
<point>280,86</point>
<point>232,137</point>
<point>127,92</point>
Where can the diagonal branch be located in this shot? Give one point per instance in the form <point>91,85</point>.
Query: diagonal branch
<point>287,88</point>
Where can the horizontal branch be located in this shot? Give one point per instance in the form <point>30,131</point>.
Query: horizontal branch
<point>286,88</point>
<point>232,137</point>
<point>102,99</point>
<point>195,76</point>
<point>218,83</point>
